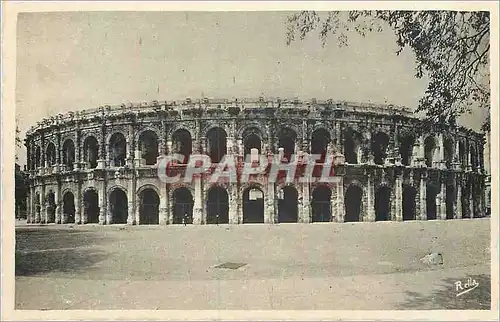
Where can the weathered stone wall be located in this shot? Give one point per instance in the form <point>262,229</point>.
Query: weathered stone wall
<point>371,139</point>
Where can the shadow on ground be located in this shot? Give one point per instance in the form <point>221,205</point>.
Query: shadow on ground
<point>445,298</point>
<point>43,251</point>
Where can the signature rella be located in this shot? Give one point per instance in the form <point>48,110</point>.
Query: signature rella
<point>304,168</point>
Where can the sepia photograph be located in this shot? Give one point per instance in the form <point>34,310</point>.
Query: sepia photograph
<point>284,159</point>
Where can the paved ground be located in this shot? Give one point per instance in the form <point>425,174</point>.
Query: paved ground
<point>288,266</point>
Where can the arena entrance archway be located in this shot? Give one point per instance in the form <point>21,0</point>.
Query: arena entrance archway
<point>253,206</point>
<point>287,138</point>
<point>217,144</point>
<point>119,206</point>
<point>353,202</point>
<point>251,141</point>
<point>321,206</point>
<point>91,206</point>
<point>217,206</point>
<point>380,141</point>
<point>149,207</point>
<point>91,151</point>
<point>352,143</point>
<point>465,200</point>
<point>183,206</point>
<point>409,203</point>
<point>383,204</point>
<point>68,153</point>
<point>118,149</point>
<point>69,207</point>
<point>319,143</point>
<point>430,203</point>
<point>182,143</point>
<point>50,155</point>
<point>406,148</point>
<point>429,148</point>
<point>288,205</point>
<point>148,145</point>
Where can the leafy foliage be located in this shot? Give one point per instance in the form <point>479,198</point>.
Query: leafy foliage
<point>451,48</point>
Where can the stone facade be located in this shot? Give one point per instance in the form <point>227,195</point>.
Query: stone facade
<point>100,166</point>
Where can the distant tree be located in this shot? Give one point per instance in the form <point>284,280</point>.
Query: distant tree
<point>20,182</point>
<point>451,48</point>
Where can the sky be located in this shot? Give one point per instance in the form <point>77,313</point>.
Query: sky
<point>70,61</point>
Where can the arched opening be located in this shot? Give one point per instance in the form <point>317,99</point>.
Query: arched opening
<point>319,143</point>
<point>69,207</point>
<point>148,146</point>
<point>69,153</point>
<point>183,206</point>
<point>409,203</point>
<point>429,148</point>
<point>118,149</point>
<point>253,206</point>
<point>37,157</point>
<point>380,142</point>
<point>353,202</point>
<point>251,141</point>
<point>450,202</point>
<point>286,140</point>
<point>91,206</point>
<point>431,206</point>
<point>321,207</point>
<point>91,151</point>
<point>149,208</point>
<point>448,151</point>
<point>383,203</point>
<point>217,206</point>
<point>352,142</point>
<point>217,144</point>
<point>182,143</point>
<point>50,155</point>
<point>51,207</point>
<point>462,154</point>
<point>119,206</point>
<point>406,143</point>
<point>288,205</point>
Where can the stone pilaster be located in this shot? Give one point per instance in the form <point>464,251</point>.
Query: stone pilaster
<point>132,211</point>
<point>270,204</point>
<point>102,203</point>
<point>398,201</point>
<point>198,213</point>
<point>471,202</point>
<point>234,205</point>
<point>164,206</point>
<point>78,205</point>
<point>305,210</point>
<point>442,202</point>
<point>337,201</point>
<point>369,192</point>
<point>458,213</point>
<point>423,198</point>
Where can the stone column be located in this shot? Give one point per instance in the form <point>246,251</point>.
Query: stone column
<point>458,214</point>
<point>163,213</point>
<point>78,205</point>
<point>370,200</point>
<point>337,201</point>
<point>31,208</point>
<point>102,200</point>
<point>438,157</point>
<point>471,202</point>
<point>398,201</point>
<point>78,161</point>
<point>198,213</point>
<point>103,147</point>
<point>442,205</point>
<point>423,199</point>
<point>305,210</point>
<point>132,209</point>
<point>234,205</point>
<point>269,205</point>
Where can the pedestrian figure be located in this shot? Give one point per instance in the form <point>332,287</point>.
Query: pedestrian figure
<point>217,219</point>
<point>184,220</point>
